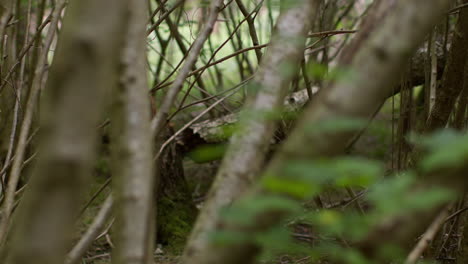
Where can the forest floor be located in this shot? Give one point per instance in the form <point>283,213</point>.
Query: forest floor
<point>374,143</point>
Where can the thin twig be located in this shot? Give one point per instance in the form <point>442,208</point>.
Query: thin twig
<point>159,121</point>
<point>93,231</point>
<point>427,237</point>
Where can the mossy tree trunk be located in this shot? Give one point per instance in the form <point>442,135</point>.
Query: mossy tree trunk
<point>176,211</point>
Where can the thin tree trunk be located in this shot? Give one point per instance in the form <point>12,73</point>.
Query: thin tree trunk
<point>176,211</point>
<point>20,151</point>
<point>246,154</point>
<point>381,56</point>
<point>452,80</point>
<point>433,79</point>
<point>252,30</point>
<point>159,121</point>
<point>461,115</point>
<point>132,164</point>
<point>84,69</point>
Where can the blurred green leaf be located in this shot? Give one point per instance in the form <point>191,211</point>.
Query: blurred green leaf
<point>447,148</point>
<point>249,209</point>
<point>317,71</point>
<point>207,153</point>
<point>336,223</point>
<point>342,172</point>
<point>276,241</point>
<point>354,171</point>
<point>399,195</point>
<point>429,198</point>
<point>295,188</point>
<point>340,254</point>
<point>310,172</point>
<point>338,124</point>
<point>391,252</point>
<point>226,238</point>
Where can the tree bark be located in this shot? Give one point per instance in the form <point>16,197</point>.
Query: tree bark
<point>452,80</point>
<point>176,211</point>
<point>246,154</point>
<point>83,71</point>
<point>132,151</point>
<point>380,56</point>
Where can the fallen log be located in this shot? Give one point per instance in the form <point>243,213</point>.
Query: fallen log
<point>218,130</point>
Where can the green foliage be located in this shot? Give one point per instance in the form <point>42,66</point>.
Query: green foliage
<point>305,179</point>
<point>398,195</point>
<point>383,198</point>
<point>207,153</point>
<point>227,237</point>
<point>338,124</point>
<point>447,148</point>
<point>337,253</point>
<point>332,223</point>
<point>322,72</point>
<point>253,210</point>
<point>250,210</point>
<point>293,187</point>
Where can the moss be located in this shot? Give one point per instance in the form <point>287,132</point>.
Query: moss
<point>102,166</point>
<point>175,219</point>
<point>175,209</point>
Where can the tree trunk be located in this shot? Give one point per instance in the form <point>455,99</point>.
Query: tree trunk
<point>380,56</point>
<point>176,211</point>
<point>452,80</point>
<point>84,70</point>
<point>248,147</point>
<point>132,151</point>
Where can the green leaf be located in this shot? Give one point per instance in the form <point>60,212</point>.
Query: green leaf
<point>448,149</point>
<point>275,241</point>
<point>336,125</point>
<point>248,210</point>
<point>342,255</point>
<point>273,203</point>
<point>293,187</point>
<point>226,237</point>
<point>310,172</point>
<point>436,140</point>
<point>388,195</point>
<point>207,153</point>
<point>356,171</point>
<point>429,198</point>
<point>399,195</point>
<point>392,252</point>
<point>317,70</point>
<point>344,171</point>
